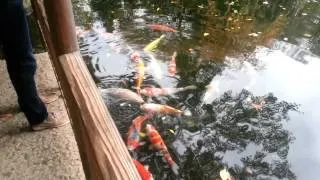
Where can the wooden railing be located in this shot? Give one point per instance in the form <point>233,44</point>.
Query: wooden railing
<point>102,151</point>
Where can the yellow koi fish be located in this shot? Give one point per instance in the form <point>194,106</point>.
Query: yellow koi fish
<point>154,44</point>
<point>140,74</point>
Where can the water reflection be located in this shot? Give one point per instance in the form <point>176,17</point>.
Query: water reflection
<point>252,61</point>
<point>241,137</point>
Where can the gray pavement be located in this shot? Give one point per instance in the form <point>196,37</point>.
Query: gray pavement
<point>49,154</point>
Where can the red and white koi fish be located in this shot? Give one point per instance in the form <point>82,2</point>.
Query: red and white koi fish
<point>145,174</point>
<point>140,74</point>
<point>158,143</point>
<point>160,108</point>
<point>162,27</point>
<point>172,67</point>
<point>135,56</point>
<point>152,91</point>
<point>133,140</point>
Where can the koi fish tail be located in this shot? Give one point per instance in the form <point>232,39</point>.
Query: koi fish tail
<point>175,168</point>
<point>173,165</point>
<point>181,89</point>
<point>171,110</point>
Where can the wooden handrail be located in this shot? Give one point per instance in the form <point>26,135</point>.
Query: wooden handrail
<point>103,153</point>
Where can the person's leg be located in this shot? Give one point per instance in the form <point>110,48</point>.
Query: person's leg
<point>21,63</point>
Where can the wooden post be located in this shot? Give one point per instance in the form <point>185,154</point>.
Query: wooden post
<point>103,153</point>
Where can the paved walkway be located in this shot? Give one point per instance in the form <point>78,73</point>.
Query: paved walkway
<point>50,154</point>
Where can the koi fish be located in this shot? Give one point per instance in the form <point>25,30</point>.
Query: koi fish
<point>135,56</point>
<point>145,174</point>
<point>154,44</point>
<point>161,27</point>
<point>140,74</point>
<point>159,108</point>
<point>118,95</point>
<point>158,143</point>
<point>133,140</point>
<point>172,65</point>
<point>152,91</point>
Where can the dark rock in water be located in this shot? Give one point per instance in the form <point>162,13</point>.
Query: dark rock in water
<point>123,105</point>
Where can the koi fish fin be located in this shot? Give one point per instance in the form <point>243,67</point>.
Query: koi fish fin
<point>172,131</point>
<point>191,87</point>
<point>142,143</point>
<point>141,134</point>
<point>131,148</point>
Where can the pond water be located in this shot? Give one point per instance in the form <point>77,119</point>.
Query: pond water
<point>256,67</point>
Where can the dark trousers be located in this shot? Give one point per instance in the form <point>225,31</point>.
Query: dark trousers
<point>21,64</point>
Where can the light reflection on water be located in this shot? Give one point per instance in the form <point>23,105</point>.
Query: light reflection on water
<point>291,81</point>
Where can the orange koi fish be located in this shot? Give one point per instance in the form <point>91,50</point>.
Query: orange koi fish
<point>133,140</point>
<point>145,174</point>
<point>152,91</point>
<point>172,70</point>
<point>161,27</point>
<point>158,143</point>
<point>159,108</point>
<point>140,74</point>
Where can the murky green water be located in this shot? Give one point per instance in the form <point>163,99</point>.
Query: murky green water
<point>249,51</point>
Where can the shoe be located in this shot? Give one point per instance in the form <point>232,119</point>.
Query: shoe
<point>53,121</point>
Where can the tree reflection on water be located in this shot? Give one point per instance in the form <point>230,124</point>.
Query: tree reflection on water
<point>234,126</point>
<point>228,23</point>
